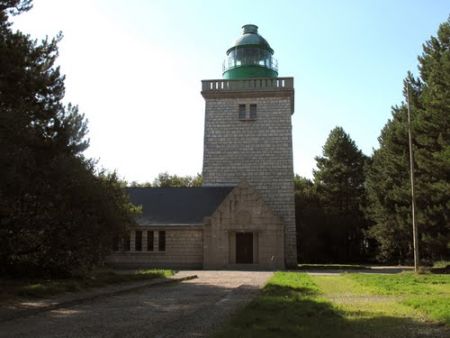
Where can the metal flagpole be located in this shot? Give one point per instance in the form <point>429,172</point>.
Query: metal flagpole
<point>413,198</point>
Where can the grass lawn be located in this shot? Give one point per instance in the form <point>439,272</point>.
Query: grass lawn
<point>296,304</point>
<point>13,288</point>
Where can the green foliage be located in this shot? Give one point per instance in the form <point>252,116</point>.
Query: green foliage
<point>165,180</point>
<point>388,190</point>
<point>330,221</point>
<point>58,215</point>
<point>388,177</point>
<point>13,7</point>
<point>340,174</point>
<point>310,219</point>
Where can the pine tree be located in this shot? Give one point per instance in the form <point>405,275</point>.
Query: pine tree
<point>339,183</point>
<point>340,173</point>
<point>388,186</point>
<point>432,130</point>
<point>388,178</point>
<point>312,248</point>
<point>57,214</point>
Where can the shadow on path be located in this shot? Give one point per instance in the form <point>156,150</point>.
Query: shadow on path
<point>179,310</point>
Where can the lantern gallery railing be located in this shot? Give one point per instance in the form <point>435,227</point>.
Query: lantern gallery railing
<point>279,83</point>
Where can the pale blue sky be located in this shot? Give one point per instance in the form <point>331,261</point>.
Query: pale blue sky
<point>134,68</point>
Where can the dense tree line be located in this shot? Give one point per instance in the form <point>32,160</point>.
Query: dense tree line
<point>330,209</point>
<point>166,180</point>
<point>388,180</point>
<point>359,208</point>
<point>58,214</point>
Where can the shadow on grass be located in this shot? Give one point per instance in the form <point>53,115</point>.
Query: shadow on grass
<point>332,267</point>
<point>282,311</point>
<point>41,287</point>
<point>275,290</point>
<point>445,270</point>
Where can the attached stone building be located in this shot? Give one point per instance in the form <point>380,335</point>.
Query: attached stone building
<point>243,216</point>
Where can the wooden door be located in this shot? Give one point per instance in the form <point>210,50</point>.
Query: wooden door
<point>244,248</point>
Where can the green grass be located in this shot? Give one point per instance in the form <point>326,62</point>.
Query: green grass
<point>46,287</point>
<point>348,305</point>
<point>282,308</point>
<point>406,283</point>
<point>428,294</point>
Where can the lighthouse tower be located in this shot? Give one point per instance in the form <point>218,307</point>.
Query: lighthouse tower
<point>248,137</point>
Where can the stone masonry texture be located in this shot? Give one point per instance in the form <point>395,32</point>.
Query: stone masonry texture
<point>257,151</point>
<point>184,249</point>
<point>243,210</point>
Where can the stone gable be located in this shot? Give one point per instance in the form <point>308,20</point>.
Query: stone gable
<point>243,211</point>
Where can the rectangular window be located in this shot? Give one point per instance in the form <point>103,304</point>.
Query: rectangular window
<point>253,111</point>
<point>127,242</point>
<point>150,239</point>
<point>138,241</point>
<point>247,114</point>
<point>242,114</point>
<point>115,244</point>
<point>162,241</point>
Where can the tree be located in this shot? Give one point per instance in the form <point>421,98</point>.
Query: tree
<point>340,173</point>
<point>339,184</point>
<point>388,181</point>
<point>309,223</point>
<point>58,215</point>
<point>388,186</point>
<point>330,221</point>
<point>165,180</point>
<point>432,154</point>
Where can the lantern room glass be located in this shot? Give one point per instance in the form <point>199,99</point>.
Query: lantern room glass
<point>250,56</point>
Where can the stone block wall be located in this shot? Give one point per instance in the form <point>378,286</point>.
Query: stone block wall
<point>243,210</point>
<point>258,151</point>
<point>183,249</point>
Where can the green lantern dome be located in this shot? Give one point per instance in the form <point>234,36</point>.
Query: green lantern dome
<point>250,57</point>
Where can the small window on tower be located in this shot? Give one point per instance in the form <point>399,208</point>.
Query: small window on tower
<point>253,111</point>
<point>242,114</point>
<point>247,112</point>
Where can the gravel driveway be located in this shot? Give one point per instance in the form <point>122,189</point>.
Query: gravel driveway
<point>189,309</point>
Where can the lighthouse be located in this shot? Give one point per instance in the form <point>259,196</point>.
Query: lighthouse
<point>243,216</point>
<point>248,143</point>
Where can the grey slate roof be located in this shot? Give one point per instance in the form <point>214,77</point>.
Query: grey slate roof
<point>166,206</point>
